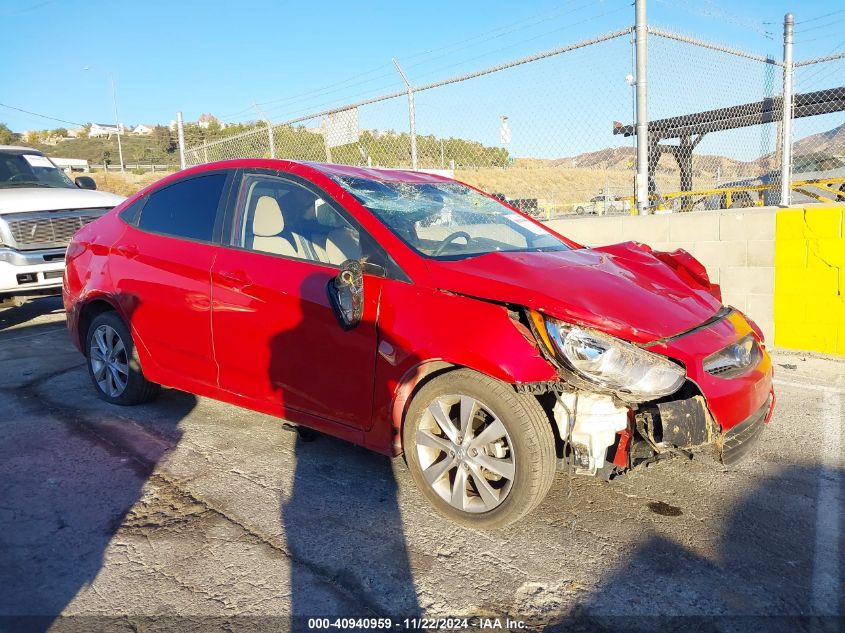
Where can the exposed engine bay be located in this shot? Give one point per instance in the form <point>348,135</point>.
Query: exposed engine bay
<point>601,435</point>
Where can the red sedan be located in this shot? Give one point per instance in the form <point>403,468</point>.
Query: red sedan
<point>413,314</point>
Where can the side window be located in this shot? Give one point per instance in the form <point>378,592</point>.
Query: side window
<point>281,217</point>
<point>185,209</point>
<point>131,213</point>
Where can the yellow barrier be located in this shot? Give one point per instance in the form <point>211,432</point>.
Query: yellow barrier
<point>809,280</point>
<point>821,189</point>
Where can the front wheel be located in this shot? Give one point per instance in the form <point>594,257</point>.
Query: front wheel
<point>482,454</point>
<point>113,363</point>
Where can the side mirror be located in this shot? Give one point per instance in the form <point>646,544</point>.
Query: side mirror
<point>85,182</point>
<point>346,294</point>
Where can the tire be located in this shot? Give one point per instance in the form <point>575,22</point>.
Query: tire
<point>526,451</point>
<point>579,210</point>
<point>113,364</point>
<point>611,209</point>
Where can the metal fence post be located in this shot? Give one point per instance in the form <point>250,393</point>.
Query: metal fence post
<point>641,34</point>
<point>180,132</point>
<point>269,129</point>
<point>786,127</point>
<point>411,115</point>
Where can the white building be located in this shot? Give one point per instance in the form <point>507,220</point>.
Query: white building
<point>105,129</point>
<point>142,129</point>
<point>207,119</point>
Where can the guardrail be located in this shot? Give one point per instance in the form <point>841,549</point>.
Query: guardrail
<point>742,196</point>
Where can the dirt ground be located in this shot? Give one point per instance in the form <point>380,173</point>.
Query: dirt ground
<point>188,514</point>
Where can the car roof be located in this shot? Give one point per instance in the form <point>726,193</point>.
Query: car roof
<point>17,149</point>
<point>346,171</point>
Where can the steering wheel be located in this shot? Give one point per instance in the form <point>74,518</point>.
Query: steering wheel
<point>451,238</point>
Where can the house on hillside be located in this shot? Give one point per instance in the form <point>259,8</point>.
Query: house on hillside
<point>105,129</point>
<point>142,129</point>
<point>206,120</point>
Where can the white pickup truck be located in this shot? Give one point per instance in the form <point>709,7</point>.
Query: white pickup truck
<point>40,209</point>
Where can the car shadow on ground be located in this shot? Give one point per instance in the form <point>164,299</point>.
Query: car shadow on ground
<point>348,552</point>
<point>70,471</point>
<point>12,315</point>
<point>778,552</point>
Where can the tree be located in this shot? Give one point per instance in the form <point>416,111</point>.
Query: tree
<point>7,137</point>
<point>162,137</point>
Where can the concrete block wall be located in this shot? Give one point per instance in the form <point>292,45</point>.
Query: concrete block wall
<point>736,245</point>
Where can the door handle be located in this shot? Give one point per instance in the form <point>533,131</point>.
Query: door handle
<point>236,278</point>
<point>127,250</point>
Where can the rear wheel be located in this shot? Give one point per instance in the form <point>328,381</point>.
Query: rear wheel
<point>482,454</point>
<point>113,363</point>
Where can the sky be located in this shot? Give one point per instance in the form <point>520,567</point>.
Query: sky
<point>294,58</point>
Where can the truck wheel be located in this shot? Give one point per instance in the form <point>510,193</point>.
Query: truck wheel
<point>579,210</point>
<point>113,363</point>
<point>482,454</point>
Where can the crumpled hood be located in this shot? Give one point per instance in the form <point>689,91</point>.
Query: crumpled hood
<point>622,289</point>
<point>22,199</point>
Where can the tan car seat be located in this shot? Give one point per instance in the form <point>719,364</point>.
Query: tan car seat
<point>267,224</point>
<point>342,242</point>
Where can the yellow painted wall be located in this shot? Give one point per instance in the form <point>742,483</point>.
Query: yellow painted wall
<point>809,279</point>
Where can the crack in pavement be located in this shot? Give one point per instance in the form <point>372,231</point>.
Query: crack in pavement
<point>115,442</point>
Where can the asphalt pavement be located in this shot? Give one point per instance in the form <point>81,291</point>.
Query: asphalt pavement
<point>192,514</point>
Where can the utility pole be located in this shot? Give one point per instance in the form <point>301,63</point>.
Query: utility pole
<point>786,127</point>
<point>641,45</point>
<point>117,123</point>
<point>116,115</point>
<point>269,129</point>
<point>411,114</point>
<point>180,131</point>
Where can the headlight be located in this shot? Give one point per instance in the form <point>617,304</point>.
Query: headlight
<point>629,371</point>
<point>735,359</point>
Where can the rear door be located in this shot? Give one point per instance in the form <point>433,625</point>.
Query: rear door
<point>160,268</point>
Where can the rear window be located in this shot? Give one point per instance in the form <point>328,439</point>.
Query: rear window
<point>185,209</point>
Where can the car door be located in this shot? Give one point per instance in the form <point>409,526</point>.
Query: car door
<point>277,340</point>
<point>160,268</point>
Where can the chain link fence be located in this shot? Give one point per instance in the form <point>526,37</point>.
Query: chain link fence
<point>818,151</point>
<point>554,133</point>
<point>712,143</point>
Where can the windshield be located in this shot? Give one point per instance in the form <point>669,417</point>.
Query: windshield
<point>448,220</point>
<point>30,170</point>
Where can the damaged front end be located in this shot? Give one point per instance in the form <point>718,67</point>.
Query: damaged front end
<point>619,405</point>
<point>604,436</point>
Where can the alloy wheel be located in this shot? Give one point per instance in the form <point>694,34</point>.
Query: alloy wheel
<point>465,453</point>
<point>109,362</point>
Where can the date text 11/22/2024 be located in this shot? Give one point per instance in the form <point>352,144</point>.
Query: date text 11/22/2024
<point>416,624</point>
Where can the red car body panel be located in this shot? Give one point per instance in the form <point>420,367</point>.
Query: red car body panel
<point>276,337</point>
<point>730,400</point>
<point>162,288</point>
<point>258,331</point>
<point>626,291</point>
